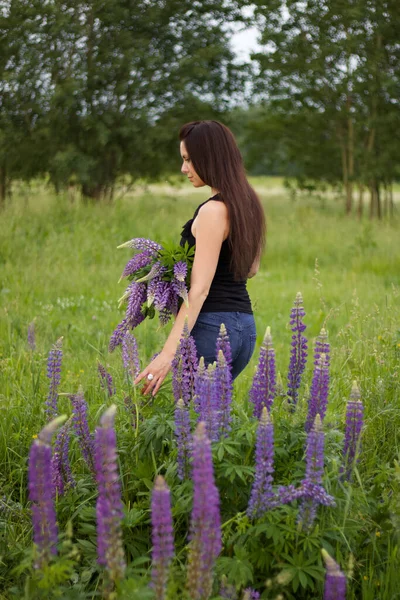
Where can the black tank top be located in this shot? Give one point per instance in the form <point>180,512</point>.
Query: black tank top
<point>226,294</point>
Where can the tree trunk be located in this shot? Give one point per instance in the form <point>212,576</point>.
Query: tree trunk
<point>386,200</point>
<point>3,186</point>
<point>378,200</point>
<point>391,205</point>
<point>360,201</point>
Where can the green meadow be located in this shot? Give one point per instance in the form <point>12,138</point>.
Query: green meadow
<point>59,268</point>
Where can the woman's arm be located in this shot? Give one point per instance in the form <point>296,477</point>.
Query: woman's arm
<point>211,230</point>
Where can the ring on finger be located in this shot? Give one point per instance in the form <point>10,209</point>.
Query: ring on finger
<point>150,376</point>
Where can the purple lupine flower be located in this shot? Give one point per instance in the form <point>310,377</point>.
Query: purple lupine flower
<point>162,294</point>
<point>250,594</point>
<point>313,493</point>
<point>106,379</point>
<point>335,580</point>
<point>136,263</point>
<point>223,379</point>
<point>223,344</point>
<point>319,391</point>
<point>137,296</point>
<point>262,392</point>
<point>109,510</point>
<point>184,366</point>
<point>183,438</point>
<point>130,355</point>
<point>164,316</point>
<point>354,424</point>
<point>142,244</point>
<point>199,384</point>
<point>118,335</point>
<point>61,469</point>
<point>54,374</point>
<point>205,529</point>
<point>157,270</point>
<point>31,335</point>
<point>81,427</point>
<point>41,493</point>
<point>227,590</point>
<point>178,283</point>
<point>298,355</point>
<point>162,536</point>
<point>180,270</point>
<point>262,495</point>
<point>210,403</point>
<point>322,346</point>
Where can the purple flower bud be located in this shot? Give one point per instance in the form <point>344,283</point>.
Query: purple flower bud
<point>60,466</point>
<point>183,438</point>
<point>210,403</point>
<point>162,537</point>
<point>106,380</point>
<point>137,296</point>
<point>319,391</point>
<point>136,263</point>
<point>298,355</point>
<point>262,392</point>
<point>354,424</point>
<point>130,355</point>
<point>335,580</point>
<point>41,493</point>
<point>54,374</point>
<point>322,346</point>
<point>184,367</point>
<point>205,530</point>
<point>180,271</point>
<point>81,428</point>
<point>118,335</point>
<point>223,380</point>
<point>31,336</point>
<point>250,594</point>
<point>224,345</point>
<point>142,244</point>
<point>262,496</point>
<point>109,510</point>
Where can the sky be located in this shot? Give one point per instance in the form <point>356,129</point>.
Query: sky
<point>244,42</point>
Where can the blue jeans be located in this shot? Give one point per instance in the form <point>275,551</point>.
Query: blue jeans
<point>241,329</point>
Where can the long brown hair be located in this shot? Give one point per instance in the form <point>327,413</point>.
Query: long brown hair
<point>217,160</point>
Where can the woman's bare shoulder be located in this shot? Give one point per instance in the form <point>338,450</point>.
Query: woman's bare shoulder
<point>214,208</point>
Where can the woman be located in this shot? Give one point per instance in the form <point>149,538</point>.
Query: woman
<point>229,232</point>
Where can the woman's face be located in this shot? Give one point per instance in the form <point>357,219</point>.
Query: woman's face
<point>188,169</point>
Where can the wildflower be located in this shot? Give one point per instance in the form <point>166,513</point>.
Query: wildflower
<point>81,427</point>
<point>178,283</point>
<point>298,355</point>
<point>183,438</point>
<point>142,244</point>
<point>354,423</point>
<point>118,335</point>
<point>335,580</point>
<point>262,496</point>
<point>224,345</point>
<point>105,379</point>
<point>210,403</point>
<point>41,493</point>
<point>184,366</point>
<point>162,536</point>
<point>137,296</point>
<point>322,346</point>
<point>250,594</point>
<point>54,374</point>
<point>61,469</point>
<point>205,530</point>
<point>199,384</point>
<point>157,270</point>
<point>180,271</point>
<point>109,511</point>
<point>223,379</point>
<point>31,336</point>
<point>319,390</point>
<point>136,263</point>
<point>262,392</point>
<point>130,356</point>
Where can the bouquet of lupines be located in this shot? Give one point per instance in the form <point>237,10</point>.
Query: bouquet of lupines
<point>159,278</point>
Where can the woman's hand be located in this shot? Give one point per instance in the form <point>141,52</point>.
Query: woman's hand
<point>159,368</point>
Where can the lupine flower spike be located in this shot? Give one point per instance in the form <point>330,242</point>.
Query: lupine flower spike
<point>81,428</point>
<point>54,374</point>
<point>224,345</point>
<point>31,336</point>
<point>262,392</point>
<point>322,346</point>
<point>130,355</point>
<point>199,384</point>
<point>61,469</point>
<point>354,424</point>
<point>106,380</point>
<point>335,580</point>
<point>318,399</point>
<point>298,355</point>
<point>118,335</point>
<point>210,403</point>
<point>41,493</point>
<point>136,263</point>
<point>162,537</point>
<point>205,530</point>
<point>109,510</point>
<point>142,244</point>
<point>184,367</point>
<point>223,381</point>
<point>183,438</point>
<point>178,283</point>
<point>262,496</point>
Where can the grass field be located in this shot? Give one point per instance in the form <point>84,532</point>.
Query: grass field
<point>60,267</point>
